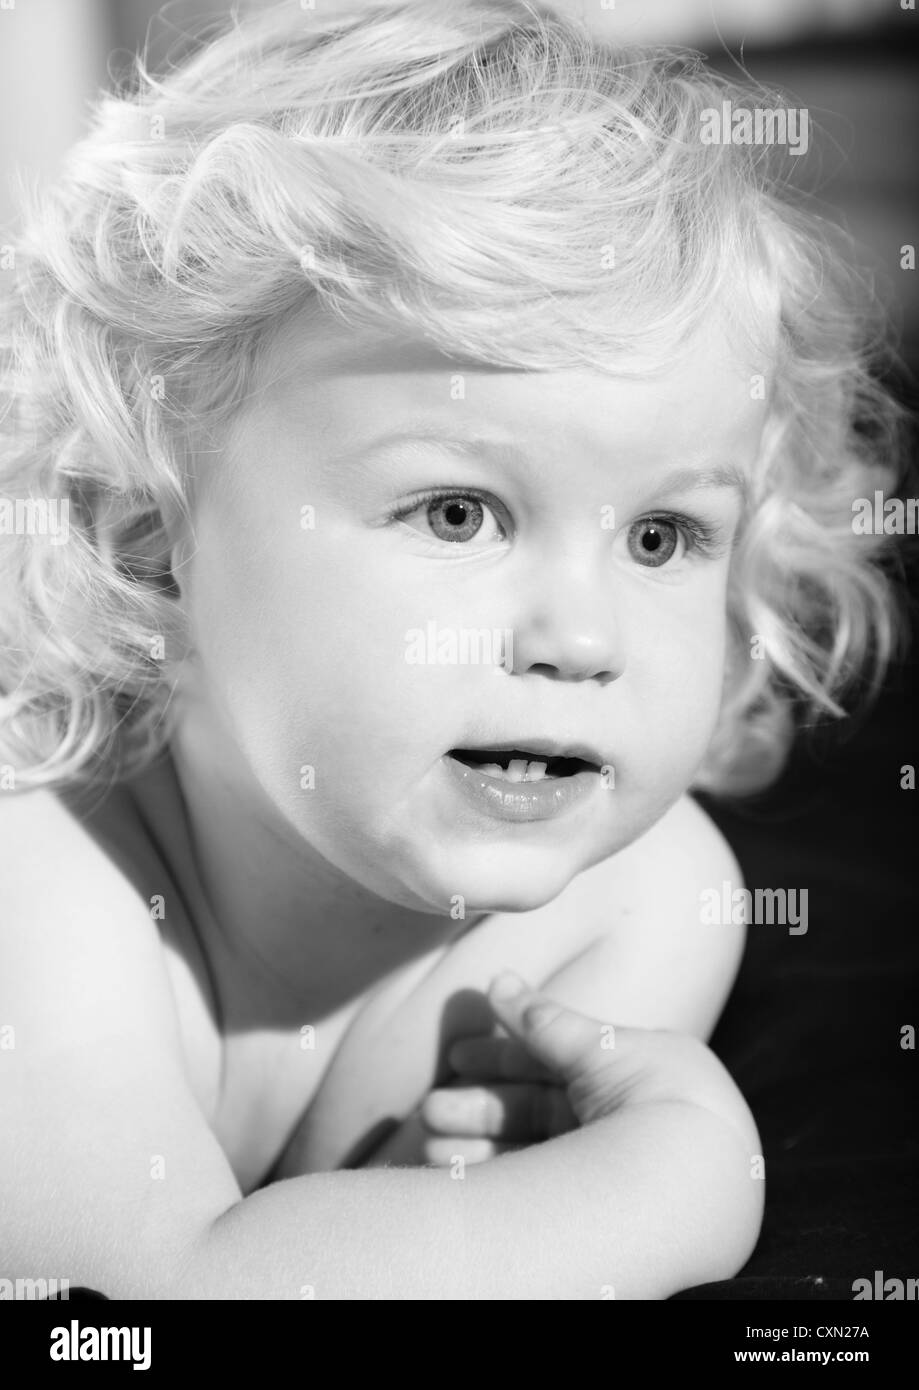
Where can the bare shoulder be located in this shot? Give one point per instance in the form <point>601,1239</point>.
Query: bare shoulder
<point>685,846</point>
<point>74,932</point>
<point>44,845</point>
<point>93,1084</point>
<point>661,874</point>
<point>655,960</point>
<point>56,872</point>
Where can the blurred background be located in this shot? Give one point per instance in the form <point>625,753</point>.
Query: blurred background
<point>850,62</point>
<point>812,1032</point>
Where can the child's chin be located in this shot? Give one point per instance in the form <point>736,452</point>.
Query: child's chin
<point>460,879</point>
<point>503,890</point>
<point>518,901</point>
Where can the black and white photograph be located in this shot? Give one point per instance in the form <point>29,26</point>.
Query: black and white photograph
<point>458,677</point>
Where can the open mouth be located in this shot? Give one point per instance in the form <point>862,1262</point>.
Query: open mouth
<point>520,765</point>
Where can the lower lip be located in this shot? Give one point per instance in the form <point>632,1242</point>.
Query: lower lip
<point>521,801</point>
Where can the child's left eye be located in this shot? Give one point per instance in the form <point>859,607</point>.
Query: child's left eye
<point>653,540</point>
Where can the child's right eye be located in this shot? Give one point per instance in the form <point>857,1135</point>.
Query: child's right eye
<point>453,517</point>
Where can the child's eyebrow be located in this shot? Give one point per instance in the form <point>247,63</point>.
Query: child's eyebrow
<point>685,479</point>
<point>695,479</point>
<point>423,434</point>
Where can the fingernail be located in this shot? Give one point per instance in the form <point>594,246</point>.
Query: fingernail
<point>507,985</point>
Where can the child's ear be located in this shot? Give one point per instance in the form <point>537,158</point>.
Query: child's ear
<point>178,560</point>
<point>176,557</point>
<point>179,550</point>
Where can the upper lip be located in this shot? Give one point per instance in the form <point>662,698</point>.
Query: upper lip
<point>545,747</point>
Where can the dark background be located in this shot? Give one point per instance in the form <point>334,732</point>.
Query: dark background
<point>812,1031</point>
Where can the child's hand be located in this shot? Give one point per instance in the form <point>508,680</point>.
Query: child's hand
<point>558,1069</point>
<point>603,1068</point>
<point>502,1099</point>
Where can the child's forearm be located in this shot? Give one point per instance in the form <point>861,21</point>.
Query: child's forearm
<point>639,1205</point>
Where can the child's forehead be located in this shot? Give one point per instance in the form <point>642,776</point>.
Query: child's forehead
<point>358,378</point>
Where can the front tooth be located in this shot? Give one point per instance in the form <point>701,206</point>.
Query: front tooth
<point>536,771</point>
<point>492,770</point>
<point>516,769</point>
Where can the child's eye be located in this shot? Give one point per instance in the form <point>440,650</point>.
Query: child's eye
<point>654,540</point>
<point>454,517</point>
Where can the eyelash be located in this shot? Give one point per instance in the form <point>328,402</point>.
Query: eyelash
<point>703,538</point>
<point>424,499</point>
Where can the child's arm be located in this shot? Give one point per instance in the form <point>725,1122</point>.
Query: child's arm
<point>655,1193</point>
<point>115,1181</point>
<point>638,1205</point>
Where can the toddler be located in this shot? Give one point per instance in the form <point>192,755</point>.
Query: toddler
<point>451,450</point>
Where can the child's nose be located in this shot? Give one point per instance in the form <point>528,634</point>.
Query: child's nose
<point>567,626</point>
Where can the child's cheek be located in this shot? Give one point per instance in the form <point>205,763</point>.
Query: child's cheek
<point>315,645</point>
<point>677,668</point>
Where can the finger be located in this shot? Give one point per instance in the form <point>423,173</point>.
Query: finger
<point>448,1152</point>
<point>496,1059</point>
<point>569,1043</point>
<point>525,1113</point>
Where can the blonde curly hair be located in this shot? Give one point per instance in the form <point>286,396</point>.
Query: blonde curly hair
<point>464,170</point>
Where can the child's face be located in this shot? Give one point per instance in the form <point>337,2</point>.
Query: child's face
<point>359,645</point>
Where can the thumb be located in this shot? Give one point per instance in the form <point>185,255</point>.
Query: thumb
<point>567,1042</point>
